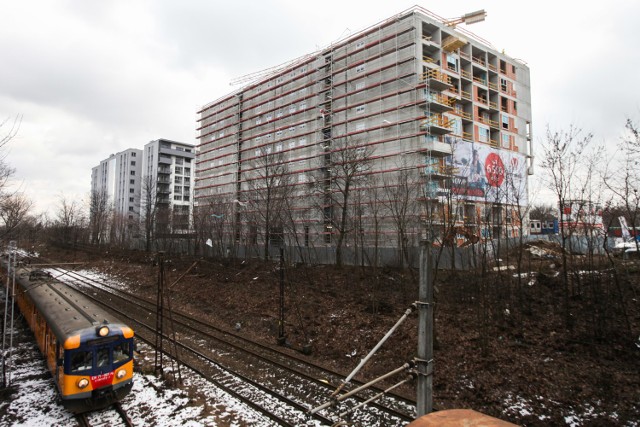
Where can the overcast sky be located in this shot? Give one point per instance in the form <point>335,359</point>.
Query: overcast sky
<point>91,78</point>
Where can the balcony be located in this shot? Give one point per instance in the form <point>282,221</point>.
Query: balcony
<point>437,125</point>
<point>166,171</point>
<point>436,80</point>
<point>436,170</point>
<point>438,102</point>
<point>436,147</point>
<point>177,153</point>
<point>452,43</point>
<point>164,159</point>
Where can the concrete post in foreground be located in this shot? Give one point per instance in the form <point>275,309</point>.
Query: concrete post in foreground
<point>424,361</point>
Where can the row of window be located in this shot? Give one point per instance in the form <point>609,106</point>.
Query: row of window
<point>301,128</point>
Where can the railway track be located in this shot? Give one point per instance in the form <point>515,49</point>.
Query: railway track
<point>236,363</point>
<point>102,418</point>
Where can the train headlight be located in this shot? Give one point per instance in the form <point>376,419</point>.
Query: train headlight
<point>82,383</point>
<point>103,331</point>
<point>121,373</point>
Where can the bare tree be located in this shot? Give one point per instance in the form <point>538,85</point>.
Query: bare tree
<point>99,214</point>
<point>400,197</point>
<point>563,154</point>
<point>14,209</point>
<point>623,178</point>
<point>268,190</point>
<point>542,212</point>
<point>149,209</point>
<point>69,220</point>
<point>350,163</point>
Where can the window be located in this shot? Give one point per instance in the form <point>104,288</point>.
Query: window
<point>303,105</point>
<point>258,121</point>
<point>177,197</point>
<point>483,134</point>
<point>178,180</point>
<point>131,199</point>
<point>279,113</point>
<point>269,136</point>
<point>503,84</point>
<point>187,171</point>
<point>257,153</point>
<point>360,109</point>
<point>302,126</point>
<point>185,198</point>
<point>278,134</point>
<point>133,154</point>
<point>177,189</point>
<point>179,160</point>
<point>360,44</point>
<point>360,126</point>
<point>452,62</point>
<point>81,361</point>
<point>302,141</point>
<point>292,144</point>
<point>132,181</point>
<point>133,173</point>
<point>360,68</point>
<point>121,353</point>
<point>505,121</point>
<point>133,162</point>
<point>178,170</point>
<point>505,141</point>
<point>360,84</point>
<point>292,109</point>
<point>278,147</point>
<point>513,68</point>
<point>130,208</point>
<point>221,134</point>
<point>258,139</point>
<point>292,129</point>
<point>269,117</point>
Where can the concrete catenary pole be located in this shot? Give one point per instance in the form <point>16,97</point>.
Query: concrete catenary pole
<point>424,361</point>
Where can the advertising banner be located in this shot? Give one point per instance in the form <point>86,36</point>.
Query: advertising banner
<point>486,174</point>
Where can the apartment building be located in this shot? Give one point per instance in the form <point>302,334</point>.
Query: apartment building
<point>117,179</point>
<point>422,110</point>
<point>167,190</point>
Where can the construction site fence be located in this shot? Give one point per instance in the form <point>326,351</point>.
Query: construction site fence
<point>494,252</point>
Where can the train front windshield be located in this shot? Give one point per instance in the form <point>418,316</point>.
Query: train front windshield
<point>98,358</point>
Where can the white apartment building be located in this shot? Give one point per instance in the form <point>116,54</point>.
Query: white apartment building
<point>118,178</point>
<point>168,172</point>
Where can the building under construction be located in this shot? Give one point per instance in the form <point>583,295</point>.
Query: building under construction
<point>409,127</point>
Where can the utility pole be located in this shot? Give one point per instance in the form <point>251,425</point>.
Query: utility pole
<point>282,338</point>
<point>424,361</point>
<point>159,314</point>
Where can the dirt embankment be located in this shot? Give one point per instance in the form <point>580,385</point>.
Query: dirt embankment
<point>532,349</point>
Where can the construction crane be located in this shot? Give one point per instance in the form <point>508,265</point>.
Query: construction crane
<point>468,18</point>
<point>267,71</point>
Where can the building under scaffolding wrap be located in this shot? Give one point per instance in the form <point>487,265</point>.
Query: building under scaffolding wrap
<point>409,125</point>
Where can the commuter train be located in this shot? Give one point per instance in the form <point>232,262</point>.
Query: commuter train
<point>88,351</point>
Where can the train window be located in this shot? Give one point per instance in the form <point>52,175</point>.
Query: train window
<point>81,361</point>
<point>120,353</point>
<point>103,357</point>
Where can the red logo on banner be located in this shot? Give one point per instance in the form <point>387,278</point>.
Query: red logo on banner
<point>98,381</point>
<point>494,170</point>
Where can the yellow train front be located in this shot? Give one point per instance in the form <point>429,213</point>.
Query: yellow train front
<point>88,351</point>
